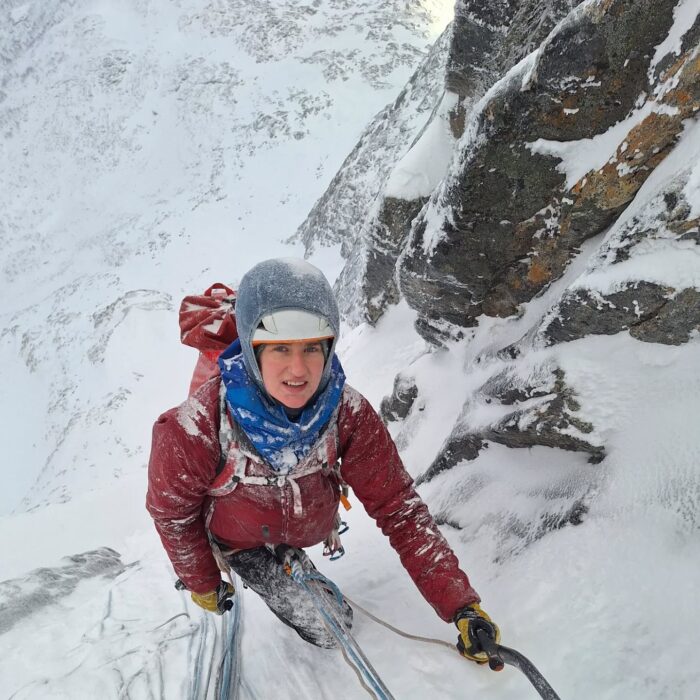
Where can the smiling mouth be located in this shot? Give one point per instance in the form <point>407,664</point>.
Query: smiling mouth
<point>294,385</point>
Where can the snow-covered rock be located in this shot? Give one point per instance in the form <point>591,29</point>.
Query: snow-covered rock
<point>568,211</point>
<point>646,275</point>
<point>153,148</point>
<point>553,154</point>
<point>484,41</point>
<point>338,214</point>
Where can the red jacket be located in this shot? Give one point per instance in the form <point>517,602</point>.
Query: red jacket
<point>182,470</point>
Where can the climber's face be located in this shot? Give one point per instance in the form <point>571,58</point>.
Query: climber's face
<point>292,371</point>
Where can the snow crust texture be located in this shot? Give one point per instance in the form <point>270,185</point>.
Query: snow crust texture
<point>24,597</point>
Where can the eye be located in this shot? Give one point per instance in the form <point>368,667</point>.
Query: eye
<point>316,347</point>
<point>280,348</point>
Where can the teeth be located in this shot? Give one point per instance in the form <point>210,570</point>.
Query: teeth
<point>295,383</point>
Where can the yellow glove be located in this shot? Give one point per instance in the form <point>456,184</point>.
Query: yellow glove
<point>217,601</point>
<point>469,621</point>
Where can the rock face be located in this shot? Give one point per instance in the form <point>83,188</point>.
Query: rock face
<point>367,285</point>
<point>489,38</point>
<point>529,188</point>
<point>614,294</point>
<point>515,209</point>
<point>374,223</point>
<point>341,215</point>
<point>400,403</point>
<point>537,409</point>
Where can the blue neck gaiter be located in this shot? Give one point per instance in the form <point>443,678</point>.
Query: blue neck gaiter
<point>281,442</point>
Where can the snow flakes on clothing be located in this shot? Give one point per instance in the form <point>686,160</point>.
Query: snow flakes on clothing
<point>352,399</point>
<point>188,414</point>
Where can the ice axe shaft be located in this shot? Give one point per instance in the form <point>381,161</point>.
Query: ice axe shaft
<point>500,655</point>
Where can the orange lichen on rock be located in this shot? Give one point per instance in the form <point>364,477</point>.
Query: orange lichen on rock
<point>682,63</point>
<point>682,227</point>
<point>646,145</point>
<point>616,183</point>
<point>538,273</point>
<point>686,94</point>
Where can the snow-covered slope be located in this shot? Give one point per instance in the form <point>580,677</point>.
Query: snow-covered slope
<point>337,216</point>
<point>153,148</point>
<point>150,149</point>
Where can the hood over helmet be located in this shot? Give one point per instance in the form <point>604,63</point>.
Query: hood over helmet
<point>285,299</point>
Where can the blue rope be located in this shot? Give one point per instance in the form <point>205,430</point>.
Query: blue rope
<point>337,628</point>
<point>315,576</point>
<point>230,672</point>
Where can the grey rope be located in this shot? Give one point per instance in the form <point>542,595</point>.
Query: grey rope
<point>349,662</point>
<point>396,630</point>
<point>310,581</point>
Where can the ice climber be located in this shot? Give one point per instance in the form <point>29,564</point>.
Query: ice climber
<point>251,466</point>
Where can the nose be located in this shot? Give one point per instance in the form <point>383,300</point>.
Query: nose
<point>297,362</point>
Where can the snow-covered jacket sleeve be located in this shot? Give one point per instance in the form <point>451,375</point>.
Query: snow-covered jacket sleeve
<point>373,469</point>
<point>184,455</point>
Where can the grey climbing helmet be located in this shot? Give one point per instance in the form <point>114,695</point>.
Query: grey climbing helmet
<point>283,300</point>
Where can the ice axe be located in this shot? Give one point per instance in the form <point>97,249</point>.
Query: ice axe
<point>500,655</point>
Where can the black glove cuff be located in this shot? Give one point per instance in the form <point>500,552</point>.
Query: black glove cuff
<point>223,597</point>
<point>476,623</point>
<point>466,614</point>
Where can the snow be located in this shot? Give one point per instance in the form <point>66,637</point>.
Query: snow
<point>661,261</point>
<point>159,148</point>
<point>691,190</point>
<point>684,15</point>
<point>421,169</point>
<point>187,415</point>
<point>19,13</point>
<point>585,155</point>
<point>302,268</point>
<point>106,228</point>
<point>664,259</point>
<point>212,327</point>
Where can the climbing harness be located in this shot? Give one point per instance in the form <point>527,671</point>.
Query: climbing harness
<point>240,464</point>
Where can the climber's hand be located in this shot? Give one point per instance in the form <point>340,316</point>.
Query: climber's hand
<point>469,621</point>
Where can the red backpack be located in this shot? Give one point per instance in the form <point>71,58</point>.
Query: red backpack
<point>208,324</point>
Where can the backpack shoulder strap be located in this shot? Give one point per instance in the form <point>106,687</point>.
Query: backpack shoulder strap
<point>225,429</point>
